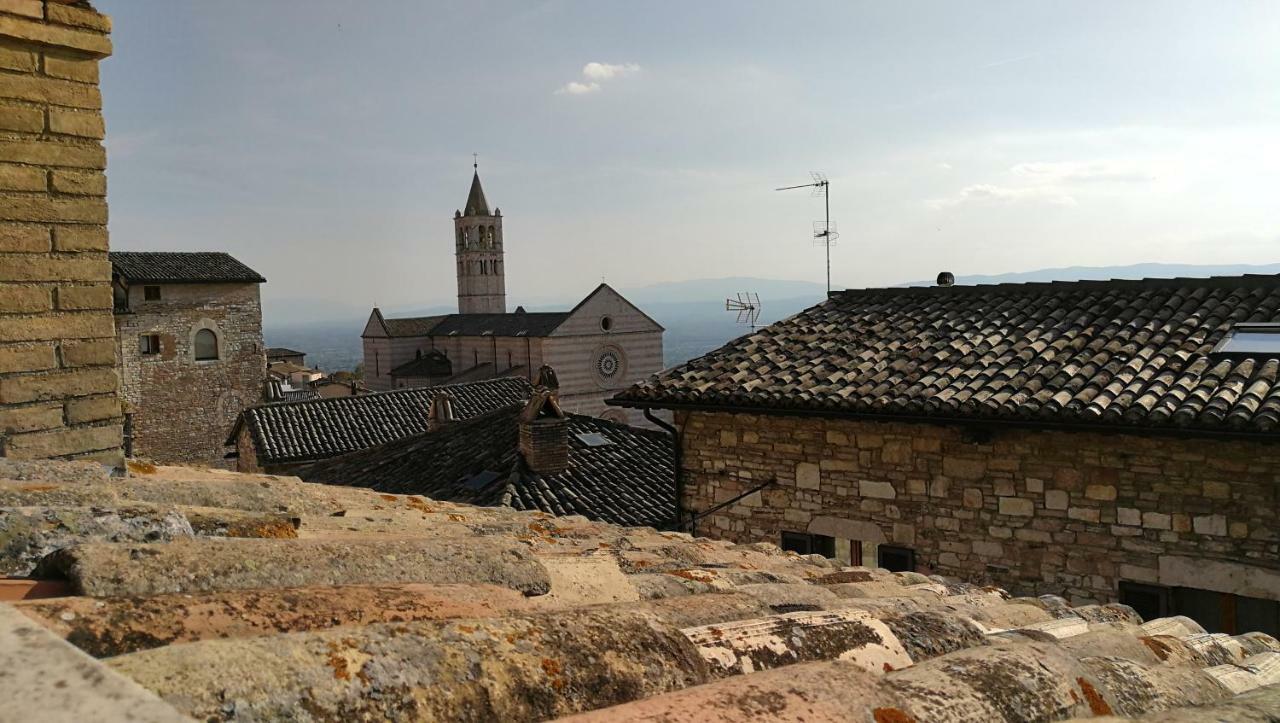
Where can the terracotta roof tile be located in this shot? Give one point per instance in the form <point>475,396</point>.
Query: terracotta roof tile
<point>177,267</point>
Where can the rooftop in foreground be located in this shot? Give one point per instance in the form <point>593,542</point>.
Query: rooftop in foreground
<point>246,597</point>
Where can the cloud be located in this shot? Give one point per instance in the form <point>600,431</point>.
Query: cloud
<point>1081,172</point>
<point>593,74</point>
<point>944,166</point>
<point>988,194</point>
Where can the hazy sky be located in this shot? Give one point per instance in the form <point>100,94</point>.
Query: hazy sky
<point>326,143</point>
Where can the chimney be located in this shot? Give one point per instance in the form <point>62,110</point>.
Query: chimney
<point>946,278</point>
<point>544,433</point>
<point>440,414</point>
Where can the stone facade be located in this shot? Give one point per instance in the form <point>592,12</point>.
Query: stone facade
<point>58,390</point>
<point>1041,512</point>
<point>182,409</point>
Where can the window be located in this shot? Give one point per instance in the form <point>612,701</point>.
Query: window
<point>149,344</point>
<point>809,544</point>
<point>206,345</point>
<point>1250,339</point>
<point>606,323</point>
<point>1218,612</point>
<point>896,559</point>
<point>151,293</point>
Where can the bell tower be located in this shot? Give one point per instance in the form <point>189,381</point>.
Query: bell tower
<point>482,286</point>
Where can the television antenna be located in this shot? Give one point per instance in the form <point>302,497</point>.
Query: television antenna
<point>748,307</point>
<point>824,233</point>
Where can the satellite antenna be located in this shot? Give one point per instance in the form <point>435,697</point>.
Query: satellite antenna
<point>824,233</point>
<point>748,307</point>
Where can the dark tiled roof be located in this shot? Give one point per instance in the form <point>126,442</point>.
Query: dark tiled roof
<point>516,324</point>
<point>629,481</point>
<point>486,370</point>
<point>411,325</point>
<point>1119,353</point>
<point>322,428</point>
<point>278,351</point>
<point>432,364</point>
<point>178,267</point>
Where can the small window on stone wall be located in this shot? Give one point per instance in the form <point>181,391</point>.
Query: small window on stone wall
<point>896,559</point>
<point>206,345</point>
<point>805,543</point>
<point>151,293</point>
<point>149,344</point>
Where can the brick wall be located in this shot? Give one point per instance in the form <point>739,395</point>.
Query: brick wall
<point>1068,513</point>
<point>58,389</point>
<point>182,409</point>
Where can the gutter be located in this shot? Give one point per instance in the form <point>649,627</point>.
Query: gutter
<point>1180,432</point>
<point>677,449</point>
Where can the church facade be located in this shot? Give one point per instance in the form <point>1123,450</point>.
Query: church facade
<point>597,348</point>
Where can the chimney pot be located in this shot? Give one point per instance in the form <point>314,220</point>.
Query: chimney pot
<point>946,278</point>
<point>544,434</point>
<point>440,414</point>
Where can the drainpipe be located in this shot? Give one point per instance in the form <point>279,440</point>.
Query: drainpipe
<point>677,454</point>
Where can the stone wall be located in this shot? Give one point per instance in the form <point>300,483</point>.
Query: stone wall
<point>182,409</point>
<point>58,390</point>
<point>1068,513</point>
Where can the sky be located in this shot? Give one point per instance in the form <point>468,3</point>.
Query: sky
<point>327,143</point>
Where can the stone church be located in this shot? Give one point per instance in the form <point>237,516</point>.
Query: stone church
<point>598,347</point>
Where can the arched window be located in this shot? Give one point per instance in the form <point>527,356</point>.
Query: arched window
<point>206,345</point>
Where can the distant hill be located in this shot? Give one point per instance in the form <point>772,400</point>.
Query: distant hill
<point>693,311</point>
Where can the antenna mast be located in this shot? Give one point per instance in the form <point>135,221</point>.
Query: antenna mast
<point>823,232</point>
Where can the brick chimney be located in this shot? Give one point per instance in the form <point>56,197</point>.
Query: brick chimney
<point>440,415</point>
<point>544,429</point>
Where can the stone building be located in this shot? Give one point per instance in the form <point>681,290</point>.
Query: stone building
<point>598,347</point>
<point>189,349</point>
<point>59,392</point>
<point>1096,440</point>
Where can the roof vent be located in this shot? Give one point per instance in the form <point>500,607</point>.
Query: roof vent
<point>440,414</point>
<point>946,278</point>
<point>520,310</point>
<point>544,434</point>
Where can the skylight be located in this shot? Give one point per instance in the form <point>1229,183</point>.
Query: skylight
<point>479,481</point>
<point>593,439</point>
<point>1248,339</point>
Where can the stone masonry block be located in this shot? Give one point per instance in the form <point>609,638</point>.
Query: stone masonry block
<point>972,498</point>
<point>47,268</point>
<point>23,299</point>
<point>35,89</point>
<point>78,17</point>
<point>1129,516</point>
<point>20,60</point>
<point>55,210</point>
<point>92,409</point>
<point>30,419</point>
<point>1084,514</point>
<point>1056,499</point>
<point>46,328</point>
<point>1215,525</point>
<point>808,476</point>
<point>88,353</point>
<point>80,238</point>
<point>52,153</point>
<point>58,443</point>
<point>83,124</point>
<point>80,183</point>
<point>84,297</point>
<point>88,42</point>
<point>22,178</point>
<point>1017,506</point>
<point>988,549</point>
<point>1217,490</point>
<point>728,438</point>
<point>23,238</point>
<point>57,385</point>
<point>83,71</point>
<point>27,358</point>
<point>1156,521</point>
<point>30,8</point>
<point>962,468</point>
<point>876,490</point>
<point>22,119</point>
<point>1034,485</point>
<point>1105,493</point>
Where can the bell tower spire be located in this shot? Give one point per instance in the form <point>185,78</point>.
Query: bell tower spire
<point>482,287</point>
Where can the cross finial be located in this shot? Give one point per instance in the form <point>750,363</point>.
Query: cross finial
<point>475,161</point>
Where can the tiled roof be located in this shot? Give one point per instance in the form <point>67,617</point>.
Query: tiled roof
<point>249,597</point>
<point>279,351</point>
<point>412,325</point>
<point>177,267</point>
<point>432,364</point>
<point>629,481</point>
<point>518,323</point>
<point>1114,353</point>
<point>321,428</point>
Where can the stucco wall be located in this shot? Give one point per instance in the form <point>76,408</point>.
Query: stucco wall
<point>183,409</point>
<point>1068,513</point>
